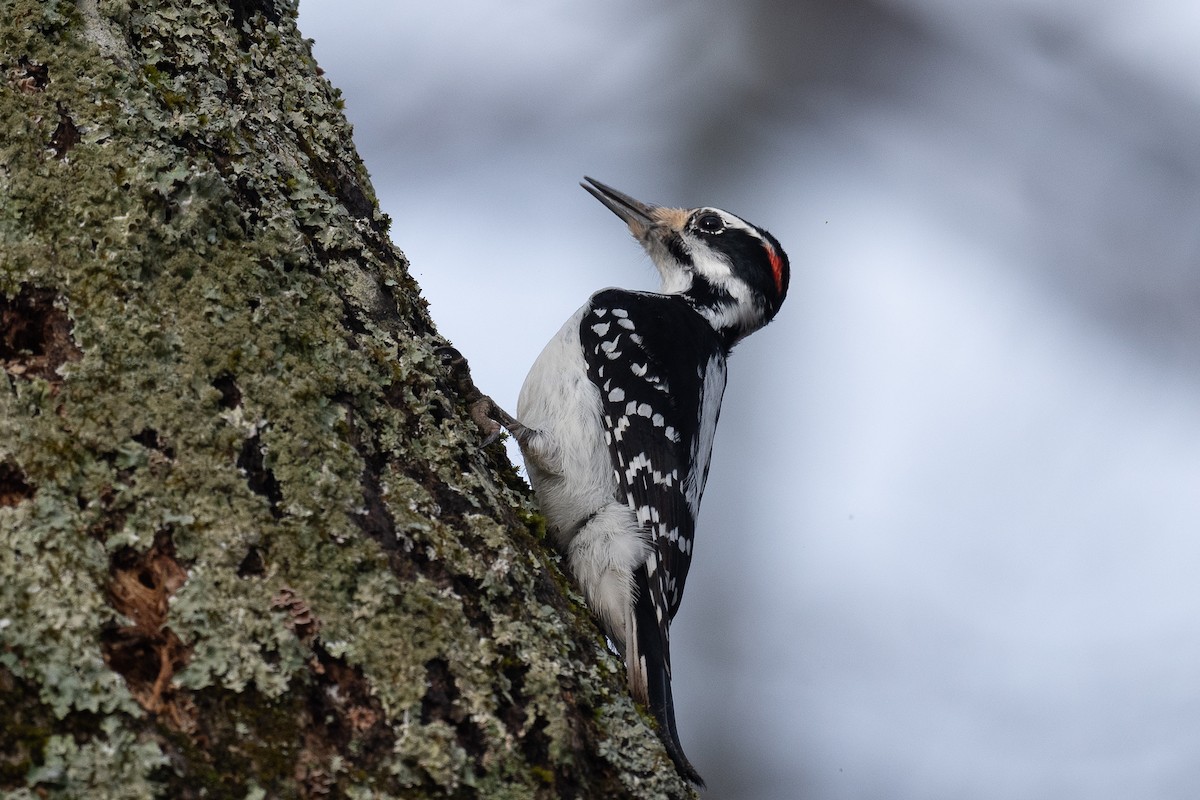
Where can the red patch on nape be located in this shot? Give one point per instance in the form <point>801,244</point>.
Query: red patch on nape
<point>776,267</point>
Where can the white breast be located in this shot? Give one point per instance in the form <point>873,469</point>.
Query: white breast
<point>569,466</point>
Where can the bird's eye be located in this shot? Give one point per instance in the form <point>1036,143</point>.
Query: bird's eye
<point>709,223</point>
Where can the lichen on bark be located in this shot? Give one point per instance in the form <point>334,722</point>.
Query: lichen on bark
<point>249,546</point>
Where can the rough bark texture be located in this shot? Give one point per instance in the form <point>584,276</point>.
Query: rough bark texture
<point>248,544</point>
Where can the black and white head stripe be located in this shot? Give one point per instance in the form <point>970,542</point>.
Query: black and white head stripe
<point>735,273</point>
<point>754,254</point>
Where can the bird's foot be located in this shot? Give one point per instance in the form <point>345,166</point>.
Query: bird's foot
<point>490,418</point>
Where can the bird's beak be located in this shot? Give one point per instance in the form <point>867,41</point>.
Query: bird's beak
<point>640,217</point>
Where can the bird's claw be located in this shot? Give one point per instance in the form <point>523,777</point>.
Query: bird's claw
<point>456,367</point>
<point>481,414</point>
<point>490,418</point>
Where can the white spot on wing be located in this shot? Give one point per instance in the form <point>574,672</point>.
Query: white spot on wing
<point>642,464</point>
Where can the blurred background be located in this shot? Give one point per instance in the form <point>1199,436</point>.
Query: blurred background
<point>950,546</point>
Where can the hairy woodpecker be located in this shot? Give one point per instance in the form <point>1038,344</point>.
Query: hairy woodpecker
<point>616,422</point>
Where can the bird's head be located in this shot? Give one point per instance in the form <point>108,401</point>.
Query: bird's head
<point>734,272</point>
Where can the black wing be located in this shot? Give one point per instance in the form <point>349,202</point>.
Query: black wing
<point>649,355</point>
<point>660,369</point>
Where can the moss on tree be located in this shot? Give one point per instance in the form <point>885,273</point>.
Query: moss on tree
<point>248,544</point>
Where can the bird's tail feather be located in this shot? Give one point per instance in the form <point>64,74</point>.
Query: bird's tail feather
<point>649,664</point>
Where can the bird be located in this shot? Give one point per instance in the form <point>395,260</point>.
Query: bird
<point>616,420</point>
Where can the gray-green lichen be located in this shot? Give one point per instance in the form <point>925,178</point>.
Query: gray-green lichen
<point>115,759</point>
<point>248,545</point>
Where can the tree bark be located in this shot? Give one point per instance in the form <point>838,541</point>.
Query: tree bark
<point>249,545</point>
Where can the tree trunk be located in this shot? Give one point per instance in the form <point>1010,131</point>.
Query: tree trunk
<point>249,545</point>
